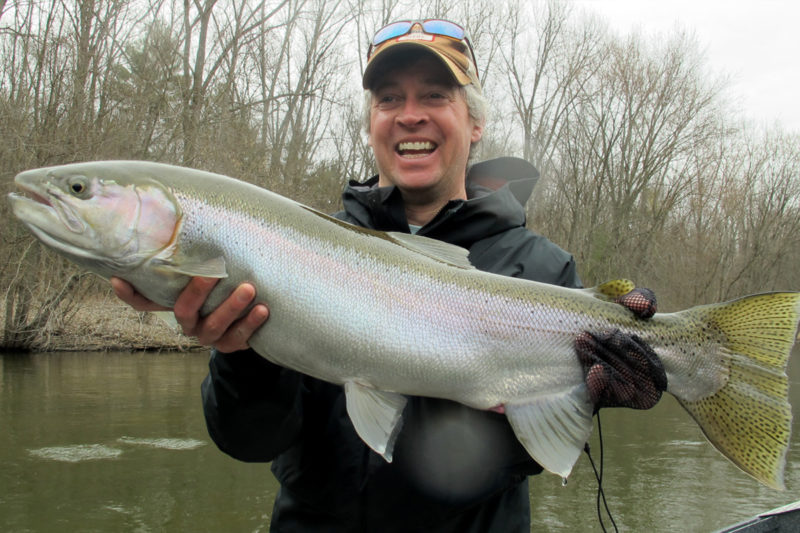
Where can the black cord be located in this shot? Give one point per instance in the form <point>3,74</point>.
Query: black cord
<point>601,495</point>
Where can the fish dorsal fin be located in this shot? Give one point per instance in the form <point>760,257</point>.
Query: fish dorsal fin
<point>553,428</point>
<point>376,416</point>
<point>433,249</point>
<point>611,290</point>
<point>438,250</point>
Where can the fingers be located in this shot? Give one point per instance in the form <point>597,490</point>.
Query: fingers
<point>605,387</point>
<point>191,300</point>
<point>652,366</point>
<point>222,328</point>
<point>641,302</point>
<point>125,292</point>
<point>620,370</point>
<point>237,336</point>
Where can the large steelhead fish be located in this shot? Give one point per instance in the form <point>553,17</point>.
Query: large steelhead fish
<point>389,314</point>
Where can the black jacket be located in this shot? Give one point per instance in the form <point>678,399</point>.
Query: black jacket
<point>455,468</point>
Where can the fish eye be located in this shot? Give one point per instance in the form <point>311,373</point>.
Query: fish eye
<point>78,185</point>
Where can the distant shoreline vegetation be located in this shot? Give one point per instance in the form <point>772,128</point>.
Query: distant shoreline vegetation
<point>98,322</point>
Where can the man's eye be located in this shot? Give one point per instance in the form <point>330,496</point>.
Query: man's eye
<point>440,96</point>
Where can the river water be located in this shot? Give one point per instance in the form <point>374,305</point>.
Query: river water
<point>117,442</point>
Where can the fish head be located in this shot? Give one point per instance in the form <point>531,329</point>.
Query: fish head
<point>97,215</point>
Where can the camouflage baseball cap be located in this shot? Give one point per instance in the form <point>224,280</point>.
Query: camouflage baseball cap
<point>446,40</point>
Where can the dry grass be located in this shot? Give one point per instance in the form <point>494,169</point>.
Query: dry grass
<point>104,323</point>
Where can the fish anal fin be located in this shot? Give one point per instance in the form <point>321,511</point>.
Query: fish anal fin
<point>553,428</point>
<point>376,416</point>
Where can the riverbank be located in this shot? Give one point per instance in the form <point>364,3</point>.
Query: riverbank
<point>104,323</point>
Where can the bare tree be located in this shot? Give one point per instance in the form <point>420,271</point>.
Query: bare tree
<point>766,218</point>
<point>623,152</point>
<point>207,43</point>
<point>643,175</point>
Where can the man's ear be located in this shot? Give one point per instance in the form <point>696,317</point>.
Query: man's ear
<point>477,132</point>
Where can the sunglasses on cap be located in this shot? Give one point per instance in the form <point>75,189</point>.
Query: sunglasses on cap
<point>441,27</point>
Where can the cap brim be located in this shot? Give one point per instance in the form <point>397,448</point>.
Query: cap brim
<point>391,50</point>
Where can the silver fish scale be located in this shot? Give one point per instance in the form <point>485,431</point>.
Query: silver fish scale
<point>411,325</point>
<point>372,311</point>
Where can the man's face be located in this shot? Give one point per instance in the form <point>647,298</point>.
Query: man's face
<point>420,130</point>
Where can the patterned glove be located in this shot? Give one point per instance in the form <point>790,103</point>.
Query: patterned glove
<point>621,370</point>
<point>641,302</point>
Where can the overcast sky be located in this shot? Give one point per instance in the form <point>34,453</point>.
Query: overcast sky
<point>756,42</point>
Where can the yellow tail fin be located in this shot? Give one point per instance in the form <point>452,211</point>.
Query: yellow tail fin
<point>749,419</point>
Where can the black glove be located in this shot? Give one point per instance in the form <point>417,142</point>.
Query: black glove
<point>641,302</point>
<point>620,370</point>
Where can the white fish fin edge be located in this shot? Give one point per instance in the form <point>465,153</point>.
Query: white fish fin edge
<point>376,415</point>
<point>554,428</point>
<point>168,318</point>
<point>210,268</point>
<point>438,250</point>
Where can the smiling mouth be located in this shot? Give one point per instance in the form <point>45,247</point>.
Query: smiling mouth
<point>415,149</point>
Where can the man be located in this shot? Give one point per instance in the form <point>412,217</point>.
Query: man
<point>454,468</point>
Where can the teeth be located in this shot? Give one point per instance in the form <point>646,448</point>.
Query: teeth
<point>419,145</point>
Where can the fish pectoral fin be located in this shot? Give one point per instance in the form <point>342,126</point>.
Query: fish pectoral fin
<point>168,318</point>
<point>553,428</point>
<point>206,268</point>
<point>611,290</point>
<point>376,416</point>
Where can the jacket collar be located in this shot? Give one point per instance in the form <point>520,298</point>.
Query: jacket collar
<point>497,191</point>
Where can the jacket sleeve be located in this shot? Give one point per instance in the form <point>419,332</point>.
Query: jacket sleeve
<point>252,407</point>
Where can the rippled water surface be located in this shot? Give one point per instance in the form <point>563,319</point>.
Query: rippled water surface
<point>117,442</point>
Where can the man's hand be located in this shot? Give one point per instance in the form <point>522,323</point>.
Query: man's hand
<point>641,302</point>
<point>222,328</point>
<point>621,370</point>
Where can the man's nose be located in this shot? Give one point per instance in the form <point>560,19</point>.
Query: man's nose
<point>412,113</point>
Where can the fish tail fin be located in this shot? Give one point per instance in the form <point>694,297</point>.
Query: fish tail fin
<point>748,419</point>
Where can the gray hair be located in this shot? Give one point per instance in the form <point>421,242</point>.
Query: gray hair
<point>477,107</point>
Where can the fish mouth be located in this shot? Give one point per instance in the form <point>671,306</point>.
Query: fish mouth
<point>47,219</point>
<point>30,194</point>
<point>29,207</point>
<point>38,204</point>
